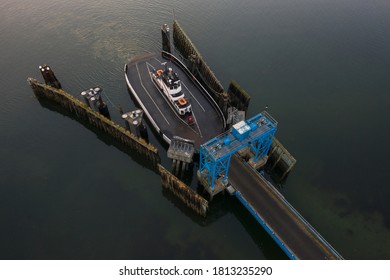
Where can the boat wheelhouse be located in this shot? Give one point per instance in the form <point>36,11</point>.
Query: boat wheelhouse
<point>170,86</point>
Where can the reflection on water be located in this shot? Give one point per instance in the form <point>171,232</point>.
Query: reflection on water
<point>321,66</point>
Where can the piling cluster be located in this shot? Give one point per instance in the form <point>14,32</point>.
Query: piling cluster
<point>49,77</point>
<point>238,97</point>
<point>133,121</point>
<point>85,113</point>
<point>183,192</point>
<point>166,38</point>
<point>280,158</point>
<point>94,96</point>
<point>181,151</point>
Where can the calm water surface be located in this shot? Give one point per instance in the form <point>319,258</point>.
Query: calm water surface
<point>322,67</point>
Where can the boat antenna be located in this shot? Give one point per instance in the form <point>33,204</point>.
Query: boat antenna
<point>174,15</point>
<point>165,64</point>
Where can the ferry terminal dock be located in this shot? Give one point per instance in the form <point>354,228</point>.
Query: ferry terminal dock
<point>304,251</point>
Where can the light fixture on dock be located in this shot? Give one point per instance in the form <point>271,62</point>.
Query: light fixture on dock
<point>134,118</point>
<point>93,95</point>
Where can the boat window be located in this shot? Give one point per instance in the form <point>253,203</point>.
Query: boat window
<point>178,94</point>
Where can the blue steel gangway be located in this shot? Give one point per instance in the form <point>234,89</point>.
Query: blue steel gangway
<point>255,135</point>
<point>222,166</point>
<point>294,235</point>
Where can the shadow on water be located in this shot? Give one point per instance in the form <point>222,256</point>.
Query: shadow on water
<point>141,160</point>
<point>275,173</point>
<point>184,208</point>
<point>186,176</point>
<point>217,209</point>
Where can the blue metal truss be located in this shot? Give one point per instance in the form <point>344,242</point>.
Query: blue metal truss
<point>256,133</point>
<point>215,169</point>
<point>261,145</point>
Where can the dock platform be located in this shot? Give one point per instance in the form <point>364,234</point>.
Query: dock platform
<point>209,118</point>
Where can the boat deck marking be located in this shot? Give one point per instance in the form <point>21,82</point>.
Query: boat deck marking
<point>193,96</point>
<point>157,60</point>
<point>200,132</point>
<point>142,84</point>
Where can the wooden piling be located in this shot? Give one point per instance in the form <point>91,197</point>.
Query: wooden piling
<point>183,192</point>
<point>234,97</point>
<point>85,113</point>
<point>165,38</point>
<point>195,62</point>
<point>238,97</point>
<point>281,158</point>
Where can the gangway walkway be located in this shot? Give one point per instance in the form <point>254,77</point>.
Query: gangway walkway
<point>297,238</point>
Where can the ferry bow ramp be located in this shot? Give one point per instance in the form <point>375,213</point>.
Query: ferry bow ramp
<point>173,100</point>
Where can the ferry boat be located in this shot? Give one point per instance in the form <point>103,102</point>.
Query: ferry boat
<point>169,84</point>
<point>149,80</point>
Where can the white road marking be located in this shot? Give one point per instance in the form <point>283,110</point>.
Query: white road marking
<point>150,65</point>
<point>139,76</point>
<point>157,59</point>
<point>200,132</point>
<point>193,97</point>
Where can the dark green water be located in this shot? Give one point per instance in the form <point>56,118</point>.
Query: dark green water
<point>322,67</point>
